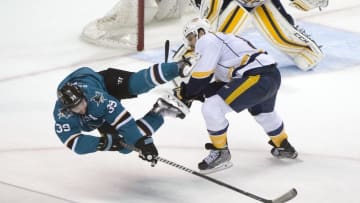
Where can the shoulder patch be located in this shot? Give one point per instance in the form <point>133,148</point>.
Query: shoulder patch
<point>64,114</point>
<point>98,98</point>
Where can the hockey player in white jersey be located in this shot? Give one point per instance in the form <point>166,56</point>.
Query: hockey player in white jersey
<point>272,21</point>
<point>232,75</point>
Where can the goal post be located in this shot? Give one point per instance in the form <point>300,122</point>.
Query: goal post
<point>140,25</point>
<point>124,25</point>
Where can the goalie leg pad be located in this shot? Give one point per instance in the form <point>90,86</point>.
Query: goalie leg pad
<point>233,18</point>
<point>306,5</point>
<point>210,10</point>
<point>292,41</point>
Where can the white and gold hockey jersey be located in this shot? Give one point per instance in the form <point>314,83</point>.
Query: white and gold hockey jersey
<point>224,56</point>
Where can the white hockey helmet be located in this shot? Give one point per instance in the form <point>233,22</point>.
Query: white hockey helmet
<point>194,26</point>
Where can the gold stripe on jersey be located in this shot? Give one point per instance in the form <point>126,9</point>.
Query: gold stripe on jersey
<point>277,139</point>
<point>219,141</point>
<point>280,38</point>
<point>233,21</point>
<point>213,11</point>
<point>230,72</point>
<point>189,53</point>
<point>201,75</point>
<point>244,59</point>
<point>242,88</point>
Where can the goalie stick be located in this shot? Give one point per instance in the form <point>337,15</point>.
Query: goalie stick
<point>283,198</point>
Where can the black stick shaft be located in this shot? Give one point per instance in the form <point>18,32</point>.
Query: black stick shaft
<point>213,180</point>
<point>201,175</point>
<point>167,48</point>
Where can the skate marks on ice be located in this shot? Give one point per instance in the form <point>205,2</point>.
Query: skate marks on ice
<point>11,192</point>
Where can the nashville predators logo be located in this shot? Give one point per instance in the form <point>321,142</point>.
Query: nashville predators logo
<point>98,98</point>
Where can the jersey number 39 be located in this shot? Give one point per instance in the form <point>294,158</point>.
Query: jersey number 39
<point>62,127</point>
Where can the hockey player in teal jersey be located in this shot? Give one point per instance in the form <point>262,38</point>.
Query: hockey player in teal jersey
<point>89,100</point>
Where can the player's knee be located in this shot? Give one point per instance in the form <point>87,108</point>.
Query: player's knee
<point>214,110</point>
<point>210,109</point>
<point>269,121</point>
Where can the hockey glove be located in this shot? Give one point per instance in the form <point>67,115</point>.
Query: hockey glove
<point>185,66</point>
<point>148,151</point>
<point>110,138</point>
<point>180,93</point>
<point>109,142</point>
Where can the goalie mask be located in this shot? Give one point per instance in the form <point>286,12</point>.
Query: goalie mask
<point>70,95</point>
<point>192,28</point>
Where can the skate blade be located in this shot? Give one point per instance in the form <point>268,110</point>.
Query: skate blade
<point>294,156</point>
<point>220,167</point>
<point>170,98</point>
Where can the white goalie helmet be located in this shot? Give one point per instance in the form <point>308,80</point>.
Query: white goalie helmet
<point>194,26</point>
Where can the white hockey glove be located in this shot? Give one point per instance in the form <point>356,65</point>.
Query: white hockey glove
<point>306,5</point>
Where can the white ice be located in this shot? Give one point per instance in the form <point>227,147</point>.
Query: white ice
<point>40,45</point>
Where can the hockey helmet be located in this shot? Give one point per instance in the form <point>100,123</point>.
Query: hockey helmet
<point>70,95</point>
<point>194,26</point>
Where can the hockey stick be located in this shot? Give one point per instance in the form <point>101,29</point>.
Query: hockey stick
<point>166,50</point>
<point>283,198</point>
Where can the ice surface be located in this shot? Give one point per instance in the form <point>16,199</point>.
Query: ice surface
<point>40,44</point>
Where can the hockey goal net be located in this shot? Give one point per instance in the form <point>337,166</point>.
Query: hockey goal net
<point>123,26</point>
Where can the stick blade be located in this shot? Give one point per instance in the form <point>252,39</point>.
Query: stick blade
<point>286,197</point>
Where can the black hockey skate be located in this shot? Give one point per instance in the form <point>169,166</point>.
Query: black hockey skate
<point>164,108</point>
<point>217,160</point>
<point>284,151</point>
